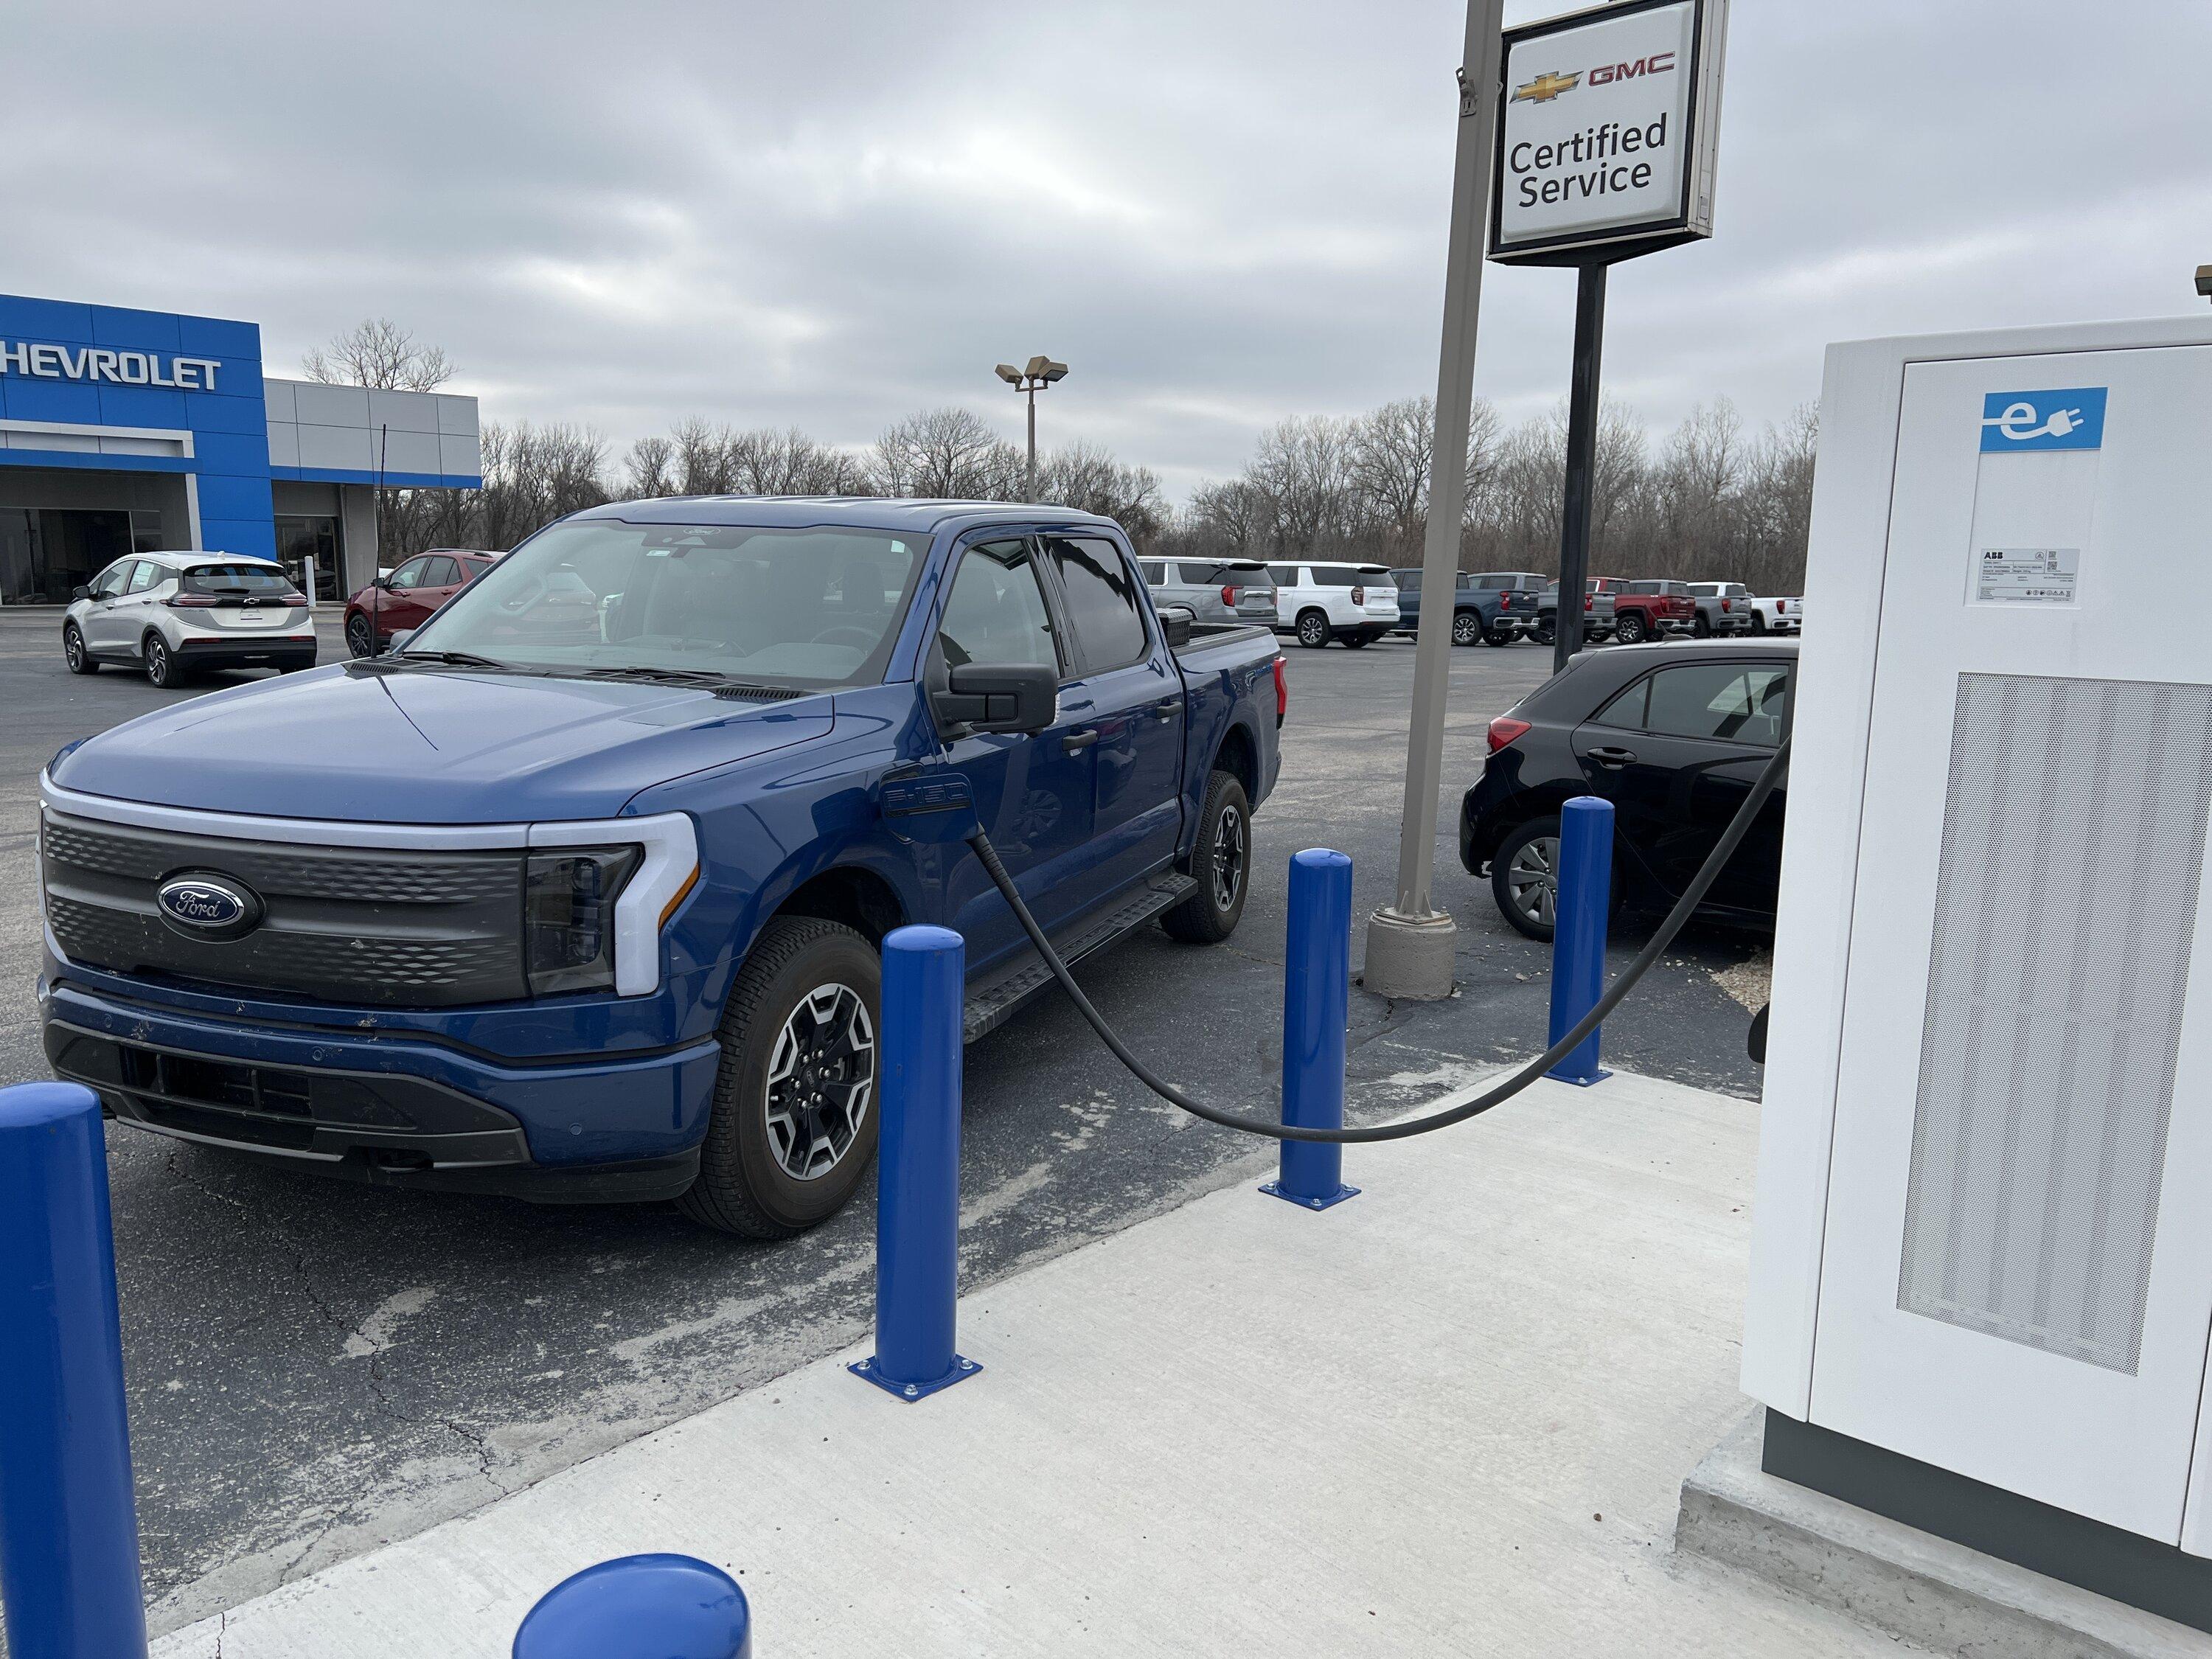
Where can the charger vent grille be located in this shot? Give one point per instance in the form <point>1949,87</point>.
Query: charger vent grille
<point>2074,826</point>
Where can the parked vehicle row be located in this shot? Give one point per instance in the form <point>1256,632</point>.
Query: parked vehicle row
<point>1767,615</point>
<point>1674,738</point>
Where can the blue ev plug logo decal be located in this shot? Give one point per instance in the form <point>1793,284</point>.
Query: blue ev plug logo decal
<point>2071,418</point>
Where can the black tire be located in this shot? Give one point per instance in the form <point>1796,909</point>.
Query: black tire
<point>1496,638</point>
<point>1467,628</point>
<point>1631,629</point>
<point>162,669</point>
<point>360,635</point>
<point>1354,642</point>
<point>1758,621</point>
<point>1222,863</point>
<point>745,1184</point>
<point>1544,633</point>
<point>1702,626</point>
<point>73,654</point>
<point>1507,874</point>
<point>1312,629</point>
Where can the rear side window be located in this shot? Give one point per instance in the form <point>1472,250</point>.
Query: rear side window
<point>995,612</point>
<point>1732,702</point>
<point>1348,575</point>
<point>1285,575</point>
<point>145,576</point>
<point>1155,572</point>
<point>1103,609</point>
<point>256,581</point>
<point>1642,587</point>
<point>1409,581</point>
<point>442,573</point>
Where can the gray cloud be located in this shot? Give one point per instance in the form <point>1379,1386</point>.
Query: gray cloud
<point>1219,214</point>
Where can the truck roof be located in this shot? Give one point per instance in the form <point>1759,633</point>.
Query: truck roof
<point>918,515</point>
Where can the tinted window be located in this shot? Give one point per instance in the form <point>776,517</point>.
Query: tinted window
<point>1642,587</point>
<point>1155,572</point>
<point>1348,575</point>
<point>259,581</point>
<point>410,574</point>
<point>1732,702</point>
<point>442,573</point>
<point>145,576</point>
<point>1285,575</point>
<point>1409,581</point>
<point>1626,710</point>
<point>1241,576</point>
<point>995,612</point>
<point>1103,609</point>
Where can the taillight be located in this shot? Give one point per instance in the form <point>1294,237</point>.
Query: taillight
<point>1725,603</point>
<point>1282,693</point>
<point>1359,596</point>
<point>1503,730</point>
<point>1587,603</point>
<point>1228,595</point>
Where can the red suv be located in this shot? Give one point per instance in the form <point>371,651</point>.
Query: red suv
<point>404,599</point>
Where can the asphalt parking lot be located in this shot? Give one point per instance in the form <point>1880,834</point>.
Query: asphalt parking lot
<point>316,1368</point>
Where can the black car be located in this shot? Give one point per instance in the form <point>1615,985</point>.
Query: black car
<point>1674,737</point>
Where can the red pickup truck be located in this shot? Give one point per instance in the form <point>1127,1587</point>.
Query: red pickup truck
<point>1612,608</point>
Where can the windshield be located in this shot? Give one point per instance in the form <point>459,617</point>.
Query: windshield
<point>809,609</point>
<point>256,581</point>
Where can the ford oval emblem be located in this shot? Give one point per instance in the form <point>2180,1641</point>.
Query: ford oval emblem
<point>206,906</point>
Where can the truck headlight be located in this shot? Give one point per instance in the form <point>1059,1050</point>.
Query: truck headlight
<point>568,916</point>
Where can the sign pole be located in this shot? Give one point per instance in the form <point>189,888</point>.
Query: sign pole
<point>1409,942</point>
<point>1581,462</point>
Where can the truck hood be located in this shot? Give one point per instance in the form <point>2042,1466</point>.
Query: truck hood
<point>430,746</point>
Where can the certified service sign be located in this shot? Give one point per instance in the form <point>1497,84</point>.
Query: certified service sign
<point>1607,123</point>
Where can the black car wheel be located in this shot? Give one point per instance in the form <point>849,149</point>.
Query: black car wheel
<point>361,637</point>
<point>1467,628</point>
<point>1525,876</point>
<point>1543,634</point>
<point>794,1116</point>
<point>1758,623</point>
<point>1498,637</point>
<point>1702,627</point>
<point>1222,864</point>
<point>1354,642</point>
<point>1313,630</point>
<point>160,664</point>
<point>1631,629</point>
<point>73,654</point>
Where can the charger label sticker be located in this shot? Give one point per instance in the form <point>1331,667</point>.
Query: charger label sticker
<point>2026,576</point>
<point>2072,417</point>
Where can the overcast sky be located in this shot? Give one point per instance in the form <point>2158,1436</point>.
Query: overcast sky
<point>1220,212</point>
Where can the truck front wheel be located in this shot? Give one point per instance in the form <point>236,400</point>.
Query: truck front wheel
<point>794,1117</point>
<point>1632,628</point>
<point>1222,863</point>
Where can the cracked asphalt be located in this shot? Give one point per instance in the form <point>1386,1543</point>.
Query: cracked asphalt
<point>317,1367</point>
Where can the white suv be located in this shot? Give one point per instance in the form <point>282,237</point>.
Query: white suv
<point>1318,602</point>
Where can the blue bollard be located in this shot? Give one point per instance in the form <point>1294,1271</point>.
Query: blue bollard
<point>1585,877</point>
<point>918,1167</point>
<point>642,1607</point>
<point>1316,1005</point>
<point>68,1523</point>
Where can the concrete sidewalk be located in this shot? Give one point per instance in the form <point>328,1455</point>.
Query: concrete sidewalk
<point>1451,1416</point>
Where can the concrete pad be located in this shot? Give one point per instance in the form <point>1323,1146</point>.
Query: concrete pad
<point>1928,1590</point>
<point>1450,1416</point>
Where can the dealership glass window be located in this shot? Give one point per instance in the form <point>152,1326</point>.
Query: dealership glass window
<point>302,535</point>
<point>19,565</point>
<point>145,529</point>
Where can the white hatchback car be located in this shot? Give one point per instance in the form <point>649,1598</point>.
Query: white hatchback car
<point>1317,603</point>
<point>174,614</point>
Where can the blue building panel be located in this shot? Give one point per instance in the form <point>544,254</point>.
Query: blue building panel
<point>101,367</point>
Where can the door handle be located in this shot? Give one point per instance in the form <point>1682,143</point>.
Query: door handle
<point>1168,708</point>
<point>1075,740</point>
<point>1610,756</point>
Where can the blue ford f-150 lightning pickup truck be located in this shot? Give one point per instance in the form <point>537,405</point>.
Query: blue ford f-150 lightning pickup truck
<point>576,894</point>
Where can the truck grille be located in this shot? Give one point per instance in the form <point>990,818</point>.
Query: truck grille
<point>354,926</point>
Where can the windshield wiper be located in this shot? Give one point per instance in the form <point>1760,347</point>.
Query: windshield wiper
<point>454,658</point>
<point>707,679</point>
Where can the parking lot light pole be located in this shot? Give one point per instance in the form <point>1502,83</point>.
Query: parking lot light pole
<point>1409,941</point>
<point>1032,377</point>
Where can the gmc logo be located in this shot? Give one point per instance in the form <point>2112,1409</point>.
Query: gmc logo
<point>1657,63</point>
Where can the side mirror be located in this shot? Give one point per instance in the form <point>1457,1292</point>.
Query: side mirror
<point>998,697</point>
<point>80,592</point>
<point>1175,621</point>
<point>399,641</point>
<point>383,580</point>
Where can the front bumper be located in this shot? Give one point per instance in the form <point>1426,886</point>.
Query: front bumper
<point>388,1109</point>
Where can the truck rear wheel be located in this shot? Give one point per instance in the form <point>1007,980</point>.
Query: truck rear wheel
<point>793,1124</point>
<point>1630,629</point>
<point>1222,863</point>
<point>1467,628</point>
<point>1313,628</point>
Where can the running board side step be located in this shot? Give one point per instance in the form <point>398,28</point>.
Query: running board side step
<point>990,1006</point>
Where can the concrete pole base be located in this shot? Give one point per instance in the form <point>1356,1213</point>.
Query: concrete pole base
<point>1409,957</point>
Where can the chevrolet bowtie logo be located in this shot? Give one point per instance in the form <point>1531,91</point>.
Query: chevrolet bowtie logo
<point>1547,87</point>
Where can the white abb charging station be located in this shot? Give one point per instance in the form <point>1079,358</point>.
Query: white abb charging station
<point>1983,1237</point>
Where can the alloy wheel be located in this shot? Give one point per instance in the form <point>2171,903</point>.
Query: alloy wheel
<point>1533,879</point>
<point>820,1079</point>
<point>1313,630</point>
<point>1230,856</point>
<point>1466,629</point>
<point>73,649</point>
<point>157,660</point>
<point>359,640</point>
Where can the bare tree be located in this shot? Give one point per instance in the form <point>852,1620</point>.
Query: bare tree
<point>948,453</point>
<point>377,352</point>
<point>649,470</point>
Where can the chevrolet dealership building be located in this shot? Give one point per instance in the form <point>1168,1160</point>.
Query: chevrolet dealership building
<point>127,431</point>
